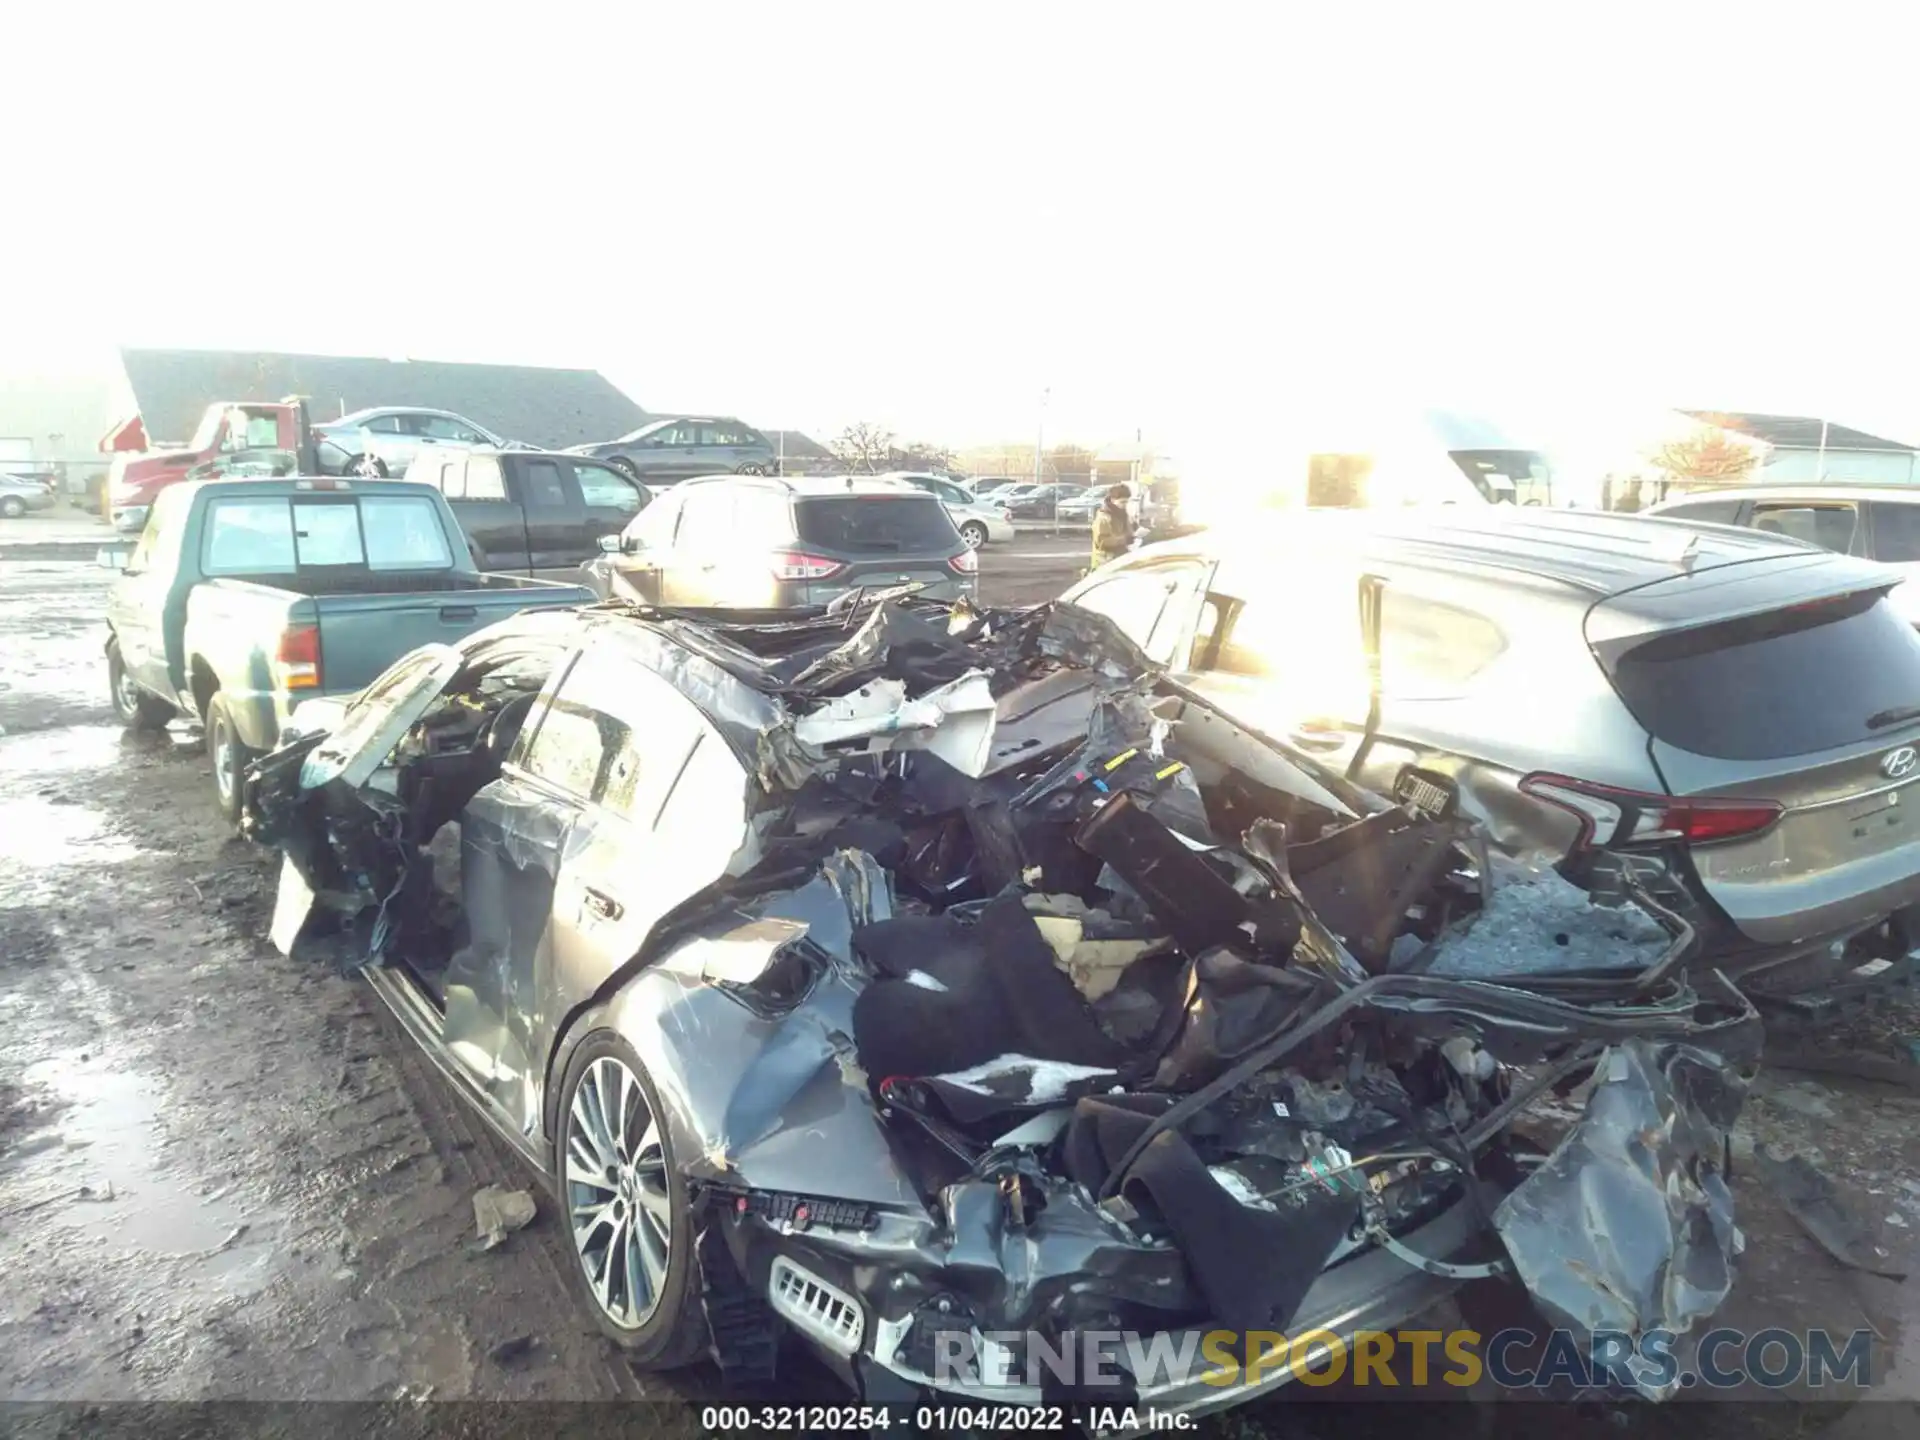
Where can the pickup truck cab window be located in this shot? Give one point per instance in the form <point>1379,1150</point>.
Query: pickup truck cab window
<point>278,536</point>
<point>545,490</point>
<point>483,479</point>
<point>602,488</point>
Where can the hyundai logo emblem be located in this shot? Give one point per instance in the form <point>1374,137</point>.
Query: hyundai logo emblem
<point>1896,763</point>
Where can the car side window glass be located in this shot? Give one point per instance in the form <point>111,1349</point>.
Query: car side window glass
<point>706,518</point>
<point>605,489</point>
<point>1831,527</point>
<point>1136,601</point>
<point>1896,533</point>
<point>1429,648</point>
<point>484,481</point>
<point>544,489</point>
<point>1710,512</point>
<point>386,425</point>
<point>615,734</point>
<point>653,527</point>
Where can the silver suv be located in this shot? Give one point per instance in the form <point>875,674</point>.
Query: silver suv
<point>1740,707</point>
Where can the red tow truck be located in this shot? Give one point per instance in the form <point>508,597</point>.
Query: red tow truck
<point>234,437</point>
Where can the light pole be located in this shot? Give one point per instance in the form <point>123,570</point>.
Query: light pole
<point>1039,452</point>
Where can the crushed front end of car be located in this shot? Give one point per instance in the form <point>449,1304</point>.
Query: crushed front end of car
<point>1053,1022</point>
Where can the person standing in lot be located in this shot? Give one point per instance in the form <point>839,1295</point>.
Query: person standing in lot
<point>1112,527</point>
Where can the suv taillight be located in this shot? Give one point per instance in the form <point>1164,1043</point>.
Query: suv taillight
<point>798,565</point>
<point>298,659</point>
<point>965,563</point>
<point>1611,817</point>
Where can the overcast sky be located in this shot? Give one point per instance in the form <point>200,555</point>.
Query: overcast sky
<point>1168,216</point>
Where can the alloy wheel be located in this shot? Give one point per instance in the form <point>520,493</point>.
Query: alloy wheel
<point>126,694</point>
<point>974,535</point>
<point>619,1208</point>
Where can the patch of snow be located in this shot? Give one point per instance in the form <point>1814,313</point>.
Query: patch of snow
<point>1537,920</point>
<point>925,981</point>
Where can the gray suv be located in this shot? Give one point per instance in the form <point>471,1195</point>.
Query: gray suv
<point>779,543</point>
<point>1738,710</point>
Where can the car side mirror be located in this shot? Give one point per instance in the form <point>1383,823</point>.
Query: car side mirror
<point>612,544</point>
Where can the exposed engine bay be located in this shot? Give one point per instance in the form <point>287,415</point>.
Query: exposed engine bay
<point>1039,999</point>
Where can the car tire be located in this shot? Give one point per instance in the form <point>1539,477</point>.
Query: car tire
<point>643,1188</point>
<point>134,708</point>
<point>13,507</point>
<point>626,467</point>
<point>752,467</point>
<point>974,533</point>
<point>230,756</point>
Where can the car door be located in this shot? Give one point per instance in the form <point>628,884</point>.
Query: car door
<point>570,858</point>
<point>667,454</point>
<point>703,547</point>
<point>495,529</point>
<point>610,502</point>
<point>136,603</point>
<point>389,439</point>
<point>556,519</point>
<point>646,548</point>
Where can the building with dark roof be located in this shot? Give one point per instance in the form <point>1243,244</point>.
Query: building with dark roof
<point>540,406</point>
<point>1801,448</point>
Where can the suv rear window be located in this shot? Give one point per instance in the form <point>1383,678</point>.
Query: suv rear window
<point>1790,682</point>
<point>876,524</point>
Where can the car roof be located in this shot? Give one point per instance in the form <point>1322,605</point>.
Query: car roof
<point>391,410</point>
<point>1596,554</point>
<point>1813,490</point>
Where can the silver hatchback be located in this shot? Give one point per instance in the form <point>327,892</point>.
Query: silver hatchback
<point>1735,711</point>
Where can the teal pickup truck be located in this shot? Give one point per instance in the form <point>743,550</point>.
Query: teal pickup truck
<point>245,598</point>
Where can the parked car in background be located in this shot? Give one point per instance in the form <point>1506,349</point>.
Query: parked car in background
<point>387,439</point>
<point>1739,710</point>
<point>1038,503</point>
<point>777,543</point>
<point>663,452</point>
<point>21,493</point>
<point>984,485</point>
<point>246,598</point>
<point>530,512</point>
<point>1079,507</point>
<point>1876,522</point>
<point>978,521</point>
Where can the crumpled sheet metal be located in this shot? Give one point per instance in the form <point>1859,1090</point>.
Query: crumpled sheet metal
<point>1628,1226</point>
<point>954,721</point>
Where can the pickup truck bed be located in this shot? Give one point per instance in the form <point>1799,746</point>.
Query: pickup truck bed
<point>245,599</point>
<point>365,623</point>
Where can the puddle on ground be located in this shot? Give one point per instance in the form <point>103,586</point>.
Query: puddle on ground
<point>38,834</point>
<point>103,1169</point>
<point>76,747</point>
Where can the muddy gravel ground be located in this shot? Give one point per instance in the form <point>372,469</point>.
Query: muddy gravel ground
<point>227,1177</point>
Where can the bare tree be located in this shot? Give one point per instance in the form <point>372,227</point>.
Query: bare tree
<point>863,447</point>
<point>1707,456</point>
<point>921,456</point>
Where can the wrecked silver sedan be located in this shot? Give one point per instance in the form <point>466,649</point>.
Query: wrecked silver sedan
<point>950,988</point>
